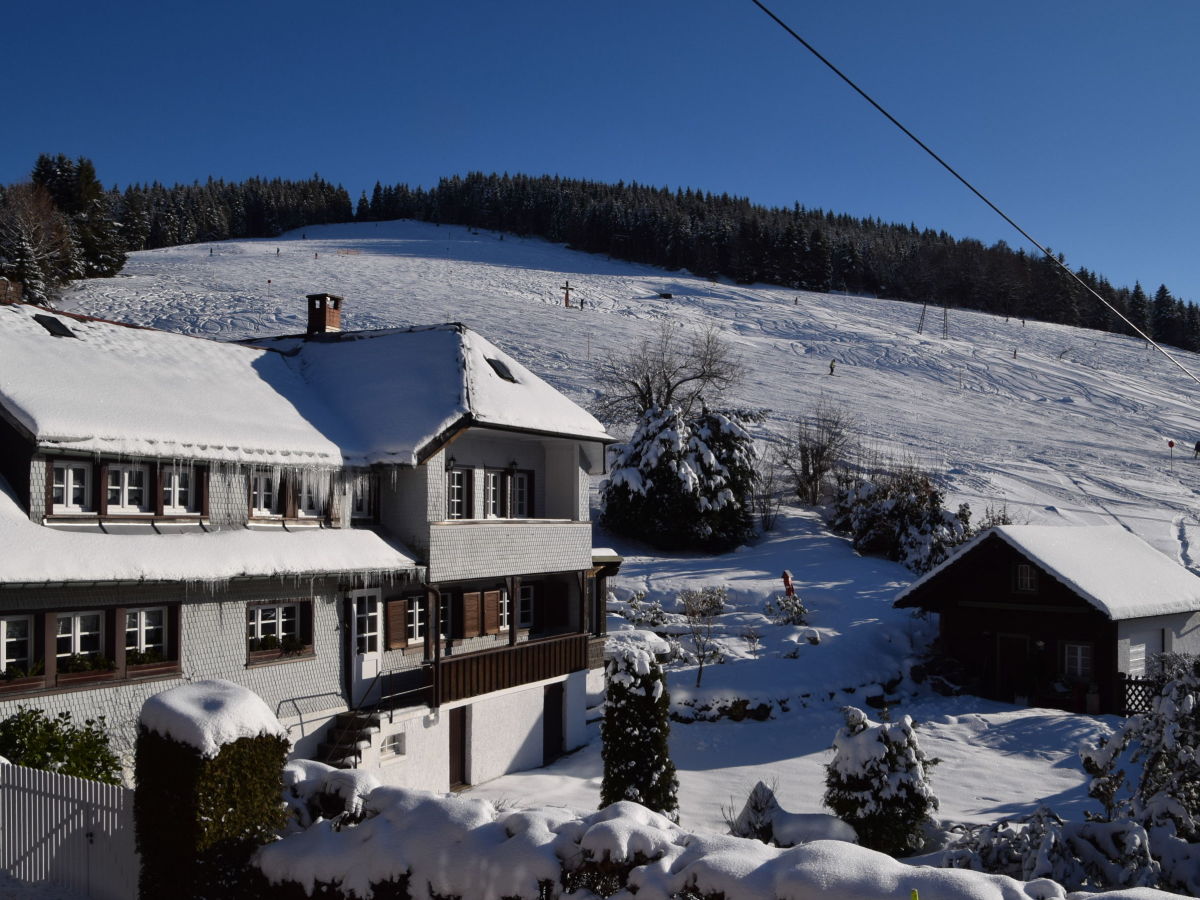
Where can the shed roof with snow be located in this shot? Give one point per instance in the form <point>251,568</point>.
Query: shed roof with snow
<point>83,385</point>
<point>1111,568</point>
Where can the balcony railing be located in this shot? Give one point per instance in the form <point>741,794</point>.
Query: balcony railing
<point>460,677</point>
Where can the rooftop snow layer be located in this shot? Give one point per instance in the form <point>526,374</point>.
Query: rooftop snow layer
<point>1113,569</point>
<point>34,554</point>
<point>352,398</point>
<point>435,376</point>
<point>136,392</point>
<point>209,714</point>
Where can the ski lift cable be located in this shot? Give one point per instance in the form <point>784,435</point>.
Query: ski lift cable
<point>949,168</point>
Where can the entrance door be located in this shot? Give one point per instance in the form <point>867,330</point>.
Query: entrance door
<point>365,624</point>
<point>1014,677</point>
<point>458,747</point>
<point>552,723</point>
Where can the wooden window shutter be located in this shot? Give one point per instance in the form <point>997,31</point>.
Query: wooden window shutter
<point>471,614</point>
<point>100,489</point>
<point>156,488</point>
<point>491,612</point>
<point>289,487</point>
<point>396,623</point>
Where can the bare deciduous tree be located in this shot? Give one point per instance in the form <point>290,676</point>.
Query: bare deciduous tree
<point>667,369</point>
<point>819,442</point>
<point>36,246</point>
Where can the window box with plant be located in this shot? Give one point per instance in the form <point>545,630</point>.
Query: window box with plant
<point>278,632</point>
<point>84,668</point>
<point>16,679</point>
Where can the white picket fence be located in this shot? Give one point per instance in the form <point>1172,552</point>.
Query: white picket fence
<point>68,831</point>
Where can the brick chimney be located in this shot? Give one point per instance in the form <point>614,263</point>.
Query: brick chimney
<point>324,313</point>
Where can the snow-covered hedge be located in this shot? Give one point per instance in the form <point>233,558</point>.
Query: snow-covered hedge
<point>441,847</point>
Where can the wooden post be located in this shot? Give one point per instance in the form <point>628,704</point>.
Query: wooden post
<point>566,289</point>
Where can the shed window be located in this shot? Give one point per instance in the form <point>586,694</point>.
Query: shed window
<point>1025,579</point>
<point>1077,661</point>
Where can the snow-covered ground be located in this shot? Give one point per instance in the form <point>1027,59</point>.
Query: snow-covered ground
<point>1063,426</point>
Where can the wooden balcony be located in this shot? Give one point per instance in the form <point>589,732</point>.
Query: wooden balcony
<point>460,677</point>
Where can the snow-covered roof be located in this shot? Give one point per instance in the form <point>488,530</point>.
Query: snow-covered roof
<point>115,389</point>
<point>33,554</point>
<point>209,714</point>
<point>351,398</point>
<point>436,377</point>
<point>1112,568</point>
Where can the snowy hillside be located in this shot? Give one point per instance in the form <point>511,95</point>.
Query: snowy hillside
<point>1062,425</point>
<point>1073,428</point>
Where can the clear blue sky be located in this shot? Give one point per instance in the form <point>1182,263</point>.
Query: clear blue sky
<point>1080,118</point>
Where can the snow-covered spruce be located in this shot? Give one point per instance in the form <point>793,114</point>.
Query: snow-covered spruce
<point>682,485</point>
<point>899,515</point>
<point>1161,748</point>
<point>635,733</point>
<point>878,783</point>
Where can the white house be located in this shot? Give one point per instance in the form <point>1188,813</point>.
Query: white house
<point>293,515</point>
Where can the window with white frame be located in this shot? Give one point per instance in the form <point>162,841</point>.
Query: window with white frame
<point>177,489</point>
<point>16,644</point>
<point>71,487</point>
<point>273,627</point>
<point>519,504</point>
<point>415,620</point>
<point>525,603</point>
<point>1025,578</point>
<point>308,503</point>
<point>1077,660</point>
<point>362,499</point>
<point>392,746</point>
<point>264,495</point>
<point>366,623</point>
<point>80,634</point>
<point>146,635</point>
<point>458,494</point>
<point>504,610</point>
<point>493,494</point>
<point>125,488</point>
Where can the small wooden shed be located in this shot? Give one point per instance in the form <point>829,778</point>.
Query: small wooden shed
<point>1056,615</point>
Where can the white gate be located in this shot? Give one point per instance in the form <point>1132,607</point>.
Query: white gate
<point>68,831</point>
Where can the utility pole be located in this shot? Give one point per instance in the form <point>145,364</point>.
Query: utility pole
<point>566,289</point>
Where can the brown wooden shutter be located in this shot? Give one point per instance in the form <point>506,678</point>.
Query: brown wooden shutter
<point>530,510</point>
<point>202,486</point>
<point>491,612</point>
<point>395,623</point>
<point>289,486</point>
<point>100,490</point>
<point>471,614</point>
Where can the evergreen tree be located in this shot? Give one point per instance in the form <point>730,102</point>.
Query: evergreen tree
<point>723,457</point>
<point>635,735</point>
<point>1138,309</point>
<point>878,782</point>
<point>652,493</point>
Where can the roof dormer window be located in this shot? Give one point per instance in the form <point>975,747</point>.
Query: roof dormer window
<point>71,488</point>
<point>126,488</point>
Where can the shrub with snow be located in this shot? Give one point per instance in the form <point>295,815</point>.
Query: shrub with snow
<point>878,782</point>
<point>899,515</point>
<point>635,733</point>
<point>787,609</point>
<point>1162,793</point>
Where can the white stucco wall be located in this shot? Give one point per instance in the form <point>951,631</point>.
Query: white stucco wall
<point>504,733</point>
<point>1179,633</point>
<point>426,761</point>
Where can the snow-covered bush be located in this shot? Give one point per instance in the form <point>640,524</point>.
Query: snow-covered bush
<point>763,819</point>
<point>210,758</point>
<point>786,609</point>
<point>635,733</point>
<point>1077,855</point>
<point>878,783</point>
<point>700,608</point>
<point>1162,794</point>
<point>899,515</point>
<point>682,485</point>
<point>645,613</point>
